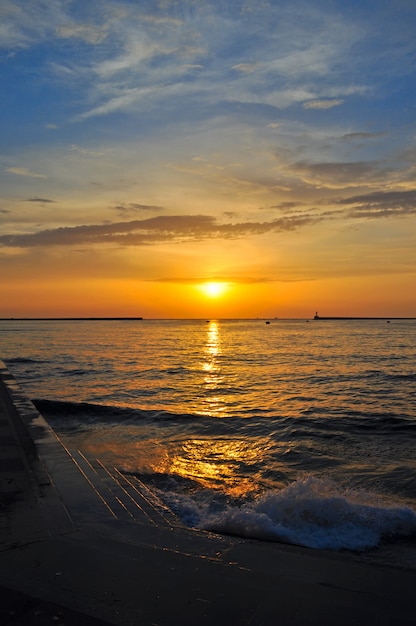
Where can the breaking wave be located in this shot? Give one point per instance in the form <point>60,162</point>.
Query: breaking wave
<point>310,512</point>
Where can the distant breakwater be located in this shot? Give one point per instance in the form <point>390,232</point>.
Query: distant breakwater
<point>319,318</point>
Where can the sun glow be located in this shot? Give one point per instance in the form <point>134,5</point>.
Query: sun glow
<point>214,289</point>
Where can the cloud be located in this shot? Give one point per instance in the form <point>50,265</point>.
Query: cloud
<point>85,151</point>
<point>286,206</point>
<point>246,68</point>
<point>189,67</point>
<point>194,228</point>
<point>322,104</point>
<point>86,32</point>
<point>117,47</point>
<point>23,23</point>
<point>123,101</point>
<point>382,204</point>
<point>41,200</point>
<point>156,230</point>
<point>312,60</point>
<point>361,135</point>
<point>133,207</point>
<point>11,35</point>
<point>156,19</point>
<point>407,197</point>
<point>137,51</point>
<point>23,171</point>
<point>150,50</point>
<point>240,280</point>
<point>339,175</point>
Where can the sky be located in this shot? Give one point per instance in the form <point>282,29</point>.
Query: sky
<point>207,158</point>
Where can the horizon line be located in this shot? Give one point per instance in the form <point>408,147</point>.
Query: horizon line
<point>140,318</point>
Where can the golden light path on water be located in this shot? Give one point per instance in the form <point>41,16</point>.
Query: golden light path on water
<point>215,462</point>
<point>212,370</point>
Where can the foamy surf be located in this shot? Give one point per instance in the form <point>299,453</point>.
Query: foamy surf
<point>311,512</point>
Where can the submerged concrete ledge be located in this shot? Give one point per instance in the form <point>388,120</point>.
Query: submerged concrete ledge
<point>67,557</point>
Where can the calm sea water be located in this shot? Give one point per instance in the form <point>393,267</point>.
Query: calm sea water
<point>294,431</point>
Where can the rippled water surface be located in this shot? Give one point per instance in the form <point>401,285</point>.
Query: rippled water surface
<point>240,424</point>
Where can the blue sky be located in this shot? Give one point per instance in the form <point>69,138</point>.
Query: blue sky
<point>253,142</point>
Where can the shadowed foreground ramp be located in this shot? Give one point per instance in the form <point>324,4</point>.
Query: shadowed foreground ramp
<point>83,544</point>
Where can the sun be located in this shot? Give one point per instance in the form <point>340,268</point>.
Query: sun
<point>214,289</point>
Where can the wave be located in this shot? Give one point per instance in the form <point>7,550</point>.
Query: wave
<point>332,426</point>
<point>75,372</point>
<point>61,413</point>
<point>403,377</point>
<point>382,374</point>
<point>310,512</point>
<point>23,360</point>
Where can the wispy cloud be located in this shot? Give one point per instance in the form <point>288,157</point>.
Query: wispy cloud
<point>124,101</point>
<point>382,204</point>
<point>322,104</point>
<point>179,228</point>
<point>134,207</point>
<point>150,53</point>
<point>147,47</point>
<point>286,206</point>
<point>225,278</point>
<point>246,68</point>
<point>86,32</point>
<point>86,151</point>
<point>41,200</point>
<point>340,175</point>
<point>24,24</point>
<point>24,171</point>
<point>361,135</point>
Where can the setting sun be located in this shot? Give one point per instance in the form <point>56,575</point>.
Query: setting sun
<point>214,289</point>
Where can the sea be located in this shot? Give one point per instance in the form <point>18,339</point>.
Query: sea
<point>294,431</point>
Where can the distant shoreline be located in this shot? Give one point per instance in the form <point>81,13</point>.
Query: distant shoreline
<point>66,319</point>
<point>116,319</point>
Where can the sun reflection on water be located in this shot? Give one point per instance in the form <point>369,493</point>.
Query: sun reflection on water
<point>213,402</point>
<point>213,344</point>
<point>230,465</point>
<point>219,463</point>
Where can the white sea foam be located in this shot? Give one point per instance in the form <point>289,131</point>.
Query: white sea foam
<point>315,513</point>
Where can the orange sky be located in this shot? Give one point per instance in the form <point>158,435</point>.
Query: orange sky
<point>150,149</point>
